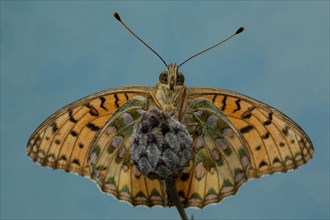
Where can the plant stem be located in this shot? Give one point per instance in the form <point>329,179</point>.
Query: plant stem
<point>174,197</point>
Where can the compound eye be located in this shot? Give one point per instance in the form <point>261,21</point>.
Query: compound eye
<point>163,77</point>
<point>180,79</point>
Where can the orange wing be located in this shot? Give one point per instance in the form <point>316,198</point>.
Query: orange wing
<point>275,142</point>
<point>221,159</point>
<point>63,140</point>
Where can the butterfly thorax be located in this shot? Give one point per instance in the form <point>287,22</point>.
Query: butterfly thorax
<point>169,93</point>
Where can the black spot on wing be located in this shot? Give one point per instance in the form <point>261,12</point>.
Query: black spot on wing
<point>262,164</point>
<point>54,127</point>
<point>266,135</point>
<point>72,119</point>
<point>102,103</point>
<point>76,161</point>
<point>269,120</point>
<point>285,130</point>
<point>247,113</point>
<point>92,110</point>
<point>73,133</point>
<point>126,96</point>
<point>184,177</point>
<point>93,127</point>
<point>276,160</point>
<point>116,100</point>
<point>237,105</point>
<point>224,103</point>
<point>63,157</point>
<point>246,129</point>
<point>214,97</point>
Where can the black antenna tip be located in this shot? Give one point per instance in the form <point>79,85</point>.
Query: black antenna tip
<point>117,16</point>
<point>240,30</point>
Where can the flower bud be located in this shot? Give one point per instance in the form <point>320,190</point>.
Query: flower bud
<point>161,146</point>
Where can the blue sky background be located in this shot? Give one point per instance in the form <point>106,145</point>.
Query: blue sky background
<point>54,52</point>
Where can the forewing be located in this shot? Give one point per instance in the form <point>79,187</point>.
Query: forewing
<point>64,139</point>
<point>275,142</point>
<point>110,159</point>
<point>220,160</point>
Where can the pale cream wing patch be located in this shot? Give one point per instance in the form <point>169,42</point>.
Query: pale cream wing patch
<point>111,164</point>
<point>221,160</point>
<point>275,142</point>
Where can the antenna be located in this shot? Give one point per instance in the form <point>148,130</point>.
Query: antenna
<point>239,30</point>
<point>116,15</point>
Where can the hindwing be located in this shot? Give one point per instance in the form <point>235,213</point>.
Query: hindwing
<point>274,141</point>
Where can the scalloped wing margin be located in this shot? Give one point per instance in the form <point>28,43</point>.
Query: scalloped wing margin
<point>274,141</point>
<point>64,139</point>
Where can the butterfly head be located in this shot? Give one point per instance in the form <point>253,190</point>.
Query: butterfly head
<point>171,77</point>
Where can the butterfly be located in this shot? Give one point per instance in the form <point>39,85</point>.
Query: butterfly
<point>232,138</point>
